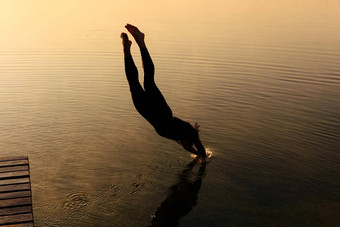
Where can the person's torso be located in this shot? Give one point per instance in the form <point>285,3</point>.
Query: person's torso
<point>176,129</point>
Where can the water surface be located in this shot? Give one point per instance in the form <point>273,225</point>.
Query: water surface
<point>261,77</point>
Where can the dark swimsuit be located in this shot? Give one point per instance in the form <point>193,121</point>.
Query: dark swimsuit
<point>151,104</point>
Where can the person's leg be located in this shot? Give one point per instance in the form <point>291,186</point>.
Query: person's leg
<point>137,92</point>
<point>149,70</point>
<point>148,66</point>
<point>130,67</point>
<point>131,73</point>
<point>151,89</point>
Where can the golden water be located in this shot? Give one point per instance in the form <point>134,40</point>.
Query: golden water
<point>261,77</point>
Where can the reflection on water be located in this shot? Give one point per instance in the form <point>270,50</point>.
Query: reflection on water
<point>261,77</point>
<point>183,196</point>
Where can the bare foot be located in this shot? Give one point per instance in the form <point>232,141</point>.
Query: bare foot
<point>126,43</point>
<point>138,35</point>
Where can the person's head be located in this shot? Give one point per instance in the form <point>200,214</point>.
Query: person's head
<point>186,134</point>
<point>189,138</point>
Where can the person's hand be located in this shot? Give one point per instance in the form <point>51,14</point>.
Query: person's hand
<point>196,126</point>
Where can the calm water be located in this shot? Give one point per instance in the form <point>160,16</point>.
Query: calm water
<point>261,77</point>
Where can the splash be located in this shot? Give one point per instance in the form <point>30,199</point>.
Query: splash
<point>209,153</point>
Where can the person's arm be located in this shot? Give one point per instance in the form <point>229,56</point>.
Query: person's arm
<point>191,149</point>
<point>200,147</point>
<point>198,144</point>
<point>188,147</point>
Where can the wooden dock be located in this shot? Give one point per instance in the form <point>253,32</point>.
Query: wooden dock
<point>15,192</point>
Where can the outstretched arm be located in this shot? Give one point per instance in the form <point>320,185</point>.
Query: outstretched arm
<point>191,149</point>
<point>198,144</point>
<point>200,147</point>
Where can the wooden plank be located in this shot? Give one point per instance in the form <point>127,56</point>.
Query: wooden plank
<point>16,202</point>
<point>15,181</point>
<point>12,195</point>
<point>15,210</point>
<point>19,225</point>
<point>13,168</point>
<point>14,174</point>
<point>11,219</point>
<point>15,187</point>
<point>15,192</point>
<point>14,163</point>
<point>21,157</point>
